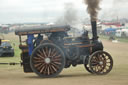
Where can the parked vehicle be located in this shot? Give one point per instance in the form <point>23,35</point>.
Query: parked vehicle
<point>122,33</point>
<point>6,49</point>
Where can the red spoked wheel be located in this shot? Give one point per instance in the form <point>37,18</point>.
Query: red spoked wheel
<point>47,60</point>
<point>100,62</point>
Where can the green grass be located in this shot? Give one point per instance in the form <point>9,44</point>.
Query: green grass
<point>123,39</point>
<point>117,38</point>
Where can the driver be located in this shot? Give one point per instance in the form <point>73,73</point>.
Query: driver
<point>38,39</point>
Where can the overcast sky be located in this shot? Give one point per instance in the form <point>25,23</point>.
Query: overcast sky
<point>20,11</point>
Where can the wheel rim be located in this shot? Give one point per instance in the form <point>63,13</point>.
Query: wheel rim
<point>100,63</point>
<point>88,68</point>
<point>86,65</point>
<point>47,61</point>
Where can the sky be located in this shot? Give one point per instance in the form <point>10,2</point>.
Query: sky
<point>23,11</point>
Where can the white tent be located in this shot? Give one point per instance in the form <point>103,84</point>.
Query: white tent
<point>120,33</point>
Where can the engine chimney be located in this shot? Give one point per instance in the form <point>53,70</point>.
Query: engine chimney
<point>94,30</point>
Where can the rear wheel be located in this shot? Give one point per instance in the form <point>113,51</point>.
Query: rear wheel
<point>47,60</point>
<point>100,62</point>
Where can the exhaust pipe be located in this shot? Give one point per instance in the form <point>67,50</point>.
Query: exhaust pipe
<point>94,30</point>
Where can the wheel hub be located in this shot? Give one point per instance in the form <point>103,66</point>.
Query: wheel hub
<point>47,60</point>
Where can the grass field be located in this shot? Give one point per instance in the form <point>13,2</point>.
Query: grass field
<point>120,39</point>
<point>13,39</point>
<point>14,75</point>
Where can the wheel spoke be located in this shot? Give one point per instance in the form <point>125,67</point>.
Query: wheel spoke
<point>53,51</point>
<point>54,68</point>
<point>51,69</point>
<point>94,63</point>
<point>46,48</point>
<point>49,52</point>
<point>57,66</point>
<point>38,61</point>
<point>40,56</point>
<point>36,58</point>
<point>54,54</point>
<point>40,53</point>
<point>38,64</point>
<point>48,70</point>
<point>41,71</point>
<point>56,60</point>
<point>44,53</point>
<point>39,68</point>
<point>98,57</point>
<point>57,63</point>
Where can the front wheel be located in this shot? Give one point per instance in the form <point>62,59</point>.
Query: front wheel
<point>86,65</point>
<point>100,62</point>
<point>88,68</point>
<point>47,60</point>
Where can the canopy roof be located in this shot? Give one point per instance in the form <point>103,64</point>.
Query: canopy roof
<point>42,29</point>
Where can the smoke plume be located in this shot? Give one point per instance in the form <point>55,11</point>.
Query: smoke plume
<point>70,15</point>
<point>93,8</point>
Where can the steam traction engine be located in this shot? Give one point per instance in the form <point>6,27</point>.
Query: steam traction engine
<point>47,56</point>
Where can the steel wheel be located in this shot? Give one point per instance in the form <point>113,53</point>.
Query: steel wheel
<point>100,62</point>
<point>87,68</point>
<point>47,60</point>
<point>86,65</point>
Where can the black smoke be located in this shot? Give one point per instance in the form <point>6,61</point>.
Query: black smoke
<point>93,8</point>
